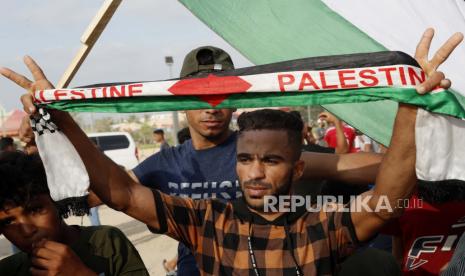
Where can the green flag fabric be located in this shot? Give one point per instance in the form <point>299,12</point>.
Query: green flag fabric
<point>268,31</point>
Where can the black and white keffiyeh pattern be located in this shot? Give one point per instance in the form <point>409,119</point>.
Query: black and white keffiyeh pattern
<point>42,122</point>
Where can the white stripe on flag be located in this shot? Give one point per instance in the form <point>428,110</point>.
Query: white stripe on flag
<point>307,81</point>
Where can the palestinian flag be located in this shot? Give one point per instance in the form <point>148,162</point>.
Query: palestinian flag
<point>321,80</point>
<point>267,31</point>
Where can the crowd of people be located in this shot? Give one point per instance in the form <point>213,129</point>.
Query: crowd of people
<point>209,194</point>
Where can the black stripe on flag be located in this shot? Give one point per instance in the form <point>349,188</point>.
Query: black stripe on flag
<point>362,60</point>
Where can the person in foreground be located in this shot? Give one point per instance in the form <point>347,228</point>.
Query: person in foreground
<point>239,237</point>
<point>32,221</point>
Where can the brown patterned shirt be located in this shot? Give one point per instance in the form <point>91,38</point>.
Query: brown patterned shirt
<point>217,233</point>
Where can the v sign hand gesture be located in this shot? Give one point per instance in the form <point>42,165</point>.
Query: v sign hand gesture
<point>434,78</point>
<point>40,82</point>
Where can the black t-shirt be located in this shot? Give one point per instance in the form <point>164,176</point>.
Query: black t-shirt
<point>317,148</point>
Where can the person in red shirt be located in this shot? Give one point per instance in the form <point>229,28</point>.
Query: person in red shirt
<point>336,133</point>
<point>425,236</point>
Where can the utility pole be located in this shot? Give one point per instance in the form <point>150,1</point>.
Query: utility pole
<point>169,62</point>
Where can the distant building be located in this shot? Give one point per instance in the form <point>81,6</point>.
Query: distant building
<point>11,122</point>
<point>162,120</point>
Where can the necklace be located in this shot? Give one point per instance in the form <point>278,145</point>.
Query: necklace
<point>253,260</point>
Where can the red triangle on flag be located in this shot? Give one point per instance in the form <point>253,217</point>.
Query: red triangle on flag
<point>212,89</point>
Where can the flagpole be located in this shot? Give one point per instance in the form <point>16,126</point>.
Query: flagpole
<point>88,39</point>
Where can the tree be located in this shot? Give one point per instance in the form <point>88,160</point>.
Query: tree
<point>103,124</point>
<point>143,136</point>
<point>132,119</point>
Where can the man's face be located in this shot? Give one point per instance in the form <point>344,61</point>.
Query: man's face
<point>158,138</point>
<point>24,226</point>
<point>209,123</point>
<point>265,165</point>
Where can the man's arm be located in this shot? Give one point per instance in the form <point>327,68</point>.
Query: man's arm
<point>353,168</point>
<point>108,181</point>
<point>342,146</point>
<point>396,179</point>
<point>119,190</point>
<point>93,200</point>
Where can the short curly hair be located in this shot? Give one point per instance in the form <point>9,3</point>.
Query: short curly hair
<point>23,177</point>
<point>272,119</point>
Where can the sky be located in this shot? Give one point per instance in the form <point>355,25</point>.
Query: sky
<point>132,47</point>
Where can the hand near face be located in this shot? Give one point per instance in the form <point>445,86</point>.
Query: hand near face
<point>53,258</point>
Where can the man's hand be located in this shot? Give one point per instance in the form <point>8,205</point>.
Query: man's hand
<point>25,131</point>
<point>170,265</point>
<point>53,258</point>
<point>40,82</point>
<point>434,78</point>
<point>328,117</point>
<point>342,142</point>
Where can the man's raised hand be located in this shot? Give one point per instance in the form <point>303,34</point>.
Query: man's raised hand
<point>434,78</point>
<point>40,82</point>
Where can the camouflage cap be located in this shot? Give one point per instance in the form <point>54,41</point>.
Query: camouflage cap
<point>206,58</point>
